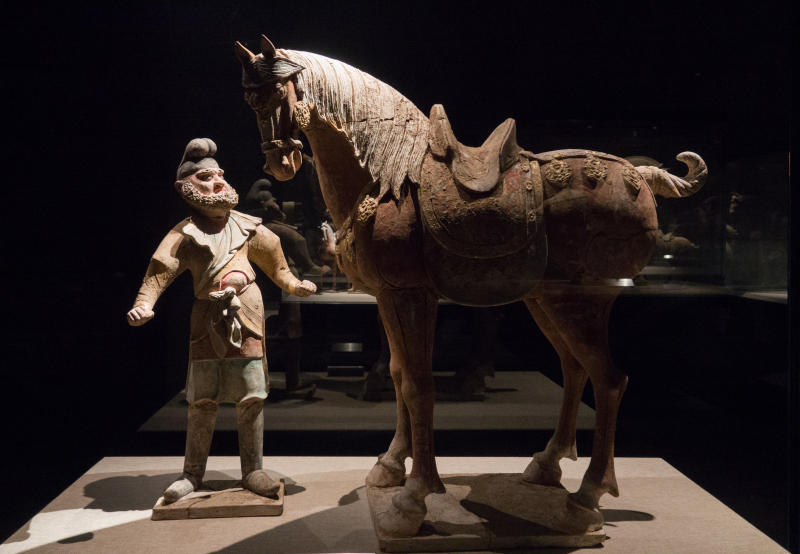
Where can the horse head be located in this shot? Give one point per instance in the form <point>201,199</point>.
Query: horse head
<point>270,82</point>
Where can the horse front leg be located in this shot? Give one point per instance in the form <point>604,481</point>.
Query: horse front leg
<point>545,468</point>
<point>390,469</point>
<point>409,316</point>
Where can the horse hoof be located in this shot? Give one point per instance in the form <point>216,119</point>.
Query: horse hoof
<point>384,475</point>
<point>404,517</point>
<point>575,518</point>
<point>585,518</point>
<point>540,475</point>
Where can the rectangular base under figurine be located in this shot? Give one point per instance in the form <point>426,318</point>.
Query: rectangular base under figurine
<point>220,499</point>
<point>480,512</point>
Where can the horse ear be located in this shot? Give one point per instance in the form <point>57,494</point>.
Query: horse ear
<point>267,49</point>
<point>243,53</point>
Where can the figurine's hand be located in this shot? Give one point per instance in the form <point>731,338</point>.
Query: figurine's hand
<point>140,315</point>
<point>306,288</point>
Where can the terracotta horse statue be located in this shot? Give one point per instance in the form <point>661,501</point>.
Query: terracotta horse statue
<point>421,216</point>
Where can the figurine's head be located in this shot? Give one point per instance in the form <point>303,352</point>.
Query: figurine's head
<point>200,180</point>
<point>270,81</point>
<point>261,200</point>
<point>261,191</point>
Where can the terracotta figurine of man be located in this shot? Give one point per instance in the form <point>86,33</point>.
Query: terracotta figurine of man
<point>227,361</point>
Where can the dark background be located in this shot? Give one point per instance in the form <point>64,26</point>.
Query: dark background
<point>101,99</point>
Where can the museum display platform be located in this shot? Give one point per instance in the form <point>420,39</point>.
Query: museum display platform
<point>514,400</point>
<point>108,509</point>
<point>678,289</point>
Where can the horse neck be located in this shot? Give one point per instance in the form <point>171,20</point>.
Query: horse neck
<point>369,132</point>
<point>341,177</point>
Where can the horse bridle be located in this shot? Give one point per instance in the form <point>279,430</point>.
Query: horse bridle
<point>273,144</point>
<point>263,114</point>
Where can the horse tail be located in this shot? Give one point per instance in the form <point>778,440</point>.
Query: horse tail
<point>670,186</point>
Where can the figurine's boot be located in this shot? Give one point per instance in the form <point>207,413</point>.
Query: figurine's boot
<point>250,420</point>
<point>379,378</point>
<point>294,320</point>
<point>295,381</point>
<point>292,364</point>
<point>472,379</point>
<point>316,271</point>
<point>202,417</point>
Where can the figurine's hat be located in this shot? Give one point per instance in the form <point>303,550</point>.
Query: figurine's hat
<point>262,184</point>
<point>259,192</point>
<point>199,154</point>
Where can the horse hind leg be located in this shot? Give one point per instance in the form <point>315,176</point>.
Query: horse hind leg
<point>544,468</point>
<point>582,321</point>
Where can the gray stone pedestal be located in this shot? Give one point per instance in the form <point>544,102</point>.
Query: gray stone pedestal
<point>220,499</point>
<point>481,512</point>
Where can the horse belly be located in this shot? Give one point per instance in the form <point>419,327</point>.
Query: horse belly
<point>483,249</point>
<point>605,229</point>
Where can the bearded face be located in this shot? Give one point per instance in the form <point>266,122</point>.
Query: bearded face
<point>207,192</point>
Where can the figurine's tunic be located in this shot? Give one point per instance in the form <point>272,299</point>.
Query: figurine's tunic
<point>227,361</point>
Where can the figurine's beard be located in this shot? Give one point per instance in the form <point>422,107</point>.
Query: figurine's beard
<point>226,200</point>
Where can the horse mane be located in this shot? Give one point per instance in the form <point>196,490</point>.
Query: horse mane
<point>388,133</point>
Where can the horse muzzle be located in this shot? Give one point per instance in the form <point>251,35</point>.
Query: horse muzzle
<point>283,158</point>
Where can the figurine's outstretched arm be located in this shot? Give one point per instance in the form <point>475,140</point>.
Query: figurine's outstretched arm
<point>265,251</point>
<point>164,267</point>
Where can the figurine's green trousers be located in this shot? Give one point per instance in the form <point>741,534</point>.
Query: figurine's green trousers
<point>236,380</point>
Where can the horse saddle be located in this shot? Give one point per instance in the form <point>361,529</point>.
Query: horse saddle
<point>476,169</point>
<point>482,214</point>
